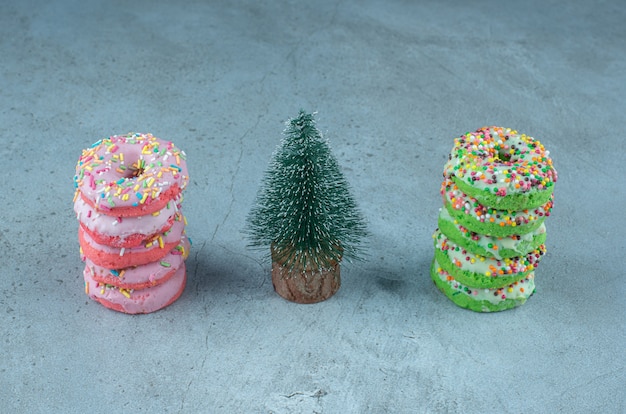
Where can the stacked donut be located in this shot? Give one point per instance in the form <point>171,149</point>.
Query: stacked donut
<point>131,227</point>
<point>497,192</point>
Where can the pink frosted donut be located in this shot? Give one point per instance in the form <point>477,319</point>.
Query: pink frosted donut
<point>125,231</point>
<point>136,301</point>
<point>145,276</point>
<point>119,258</point>
<point>130,175</point>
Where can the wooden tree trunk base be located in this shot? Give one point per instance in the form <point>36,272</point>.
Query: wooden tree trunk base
<point>305,286</point>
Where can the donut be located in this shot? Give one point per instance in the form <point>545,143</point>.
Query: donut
<point>151,250</point>
<point>502,169</point>
<point>484,245</point>
<point>130,175</point>
<point>144,276</point>
<point>497,192</point>
<point>483,300</point>
<point>136,301</point>
<point>481,271</point>
<point>479,218</point>
<point>125,231</point>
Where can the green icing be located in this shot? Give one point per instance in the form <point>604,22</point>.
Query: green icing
<point>465,301</point>
<point>491,229</point>
<point>515,201</point>
<point>472,279</point>
<point>451,231</point>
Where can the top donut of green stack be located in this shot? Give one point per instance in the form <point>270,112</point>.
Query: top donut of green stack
<point>502,168</point>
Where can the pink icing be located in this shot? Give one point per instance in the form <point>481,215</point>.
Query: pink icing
<point>124,231</point>
<point>133,170</point>
<point>140,277</point>
<point>115,258</point>
<point>136,301</point>
<point>173,235</point>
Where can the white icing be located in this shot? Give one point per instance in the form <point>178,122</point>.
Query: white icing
<point>468,157</point>
<point>483,265</point>
<point>518,290</point>
<point>472,208</point>
<point>486,241</point>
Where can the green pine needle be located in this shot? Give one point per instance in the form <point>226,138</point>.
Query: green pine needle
<point>304,209</point>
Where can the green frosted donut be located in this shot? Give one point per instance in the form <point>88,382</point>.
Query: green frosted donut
<point>480,271</point>
<point>488,220</point>
<point>502,169</point>
<point>483,300</point>
<point>521,201</point>
<point>484,245</point>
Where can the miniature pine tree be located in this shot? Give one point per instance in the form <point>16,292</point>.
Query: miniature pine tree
<point>304,209</point>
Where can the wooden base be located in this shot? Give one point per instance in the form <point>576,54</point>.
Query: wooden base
<point>305,286</point>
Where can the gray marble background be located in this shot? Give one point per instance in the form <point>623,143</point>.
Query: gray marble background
<point>393,83</point>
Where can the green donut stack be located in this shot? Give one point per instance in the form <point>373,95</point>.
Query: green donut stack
<point>497,192</point>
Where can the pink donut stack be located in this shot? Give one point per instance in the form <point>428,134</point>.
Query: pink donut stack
<point>131,226</point>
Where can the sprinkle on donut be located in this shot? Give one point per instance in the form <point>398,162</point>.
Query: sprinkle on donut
<point>130,175</point>
<point>480,299</point>
<point>481,271</point>
<point>488,220</point>
<point>502,168</point>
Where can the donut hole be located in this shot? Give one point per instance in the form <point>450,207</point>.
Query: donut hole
<point>136,169</point>
<point>503,154</point>
<point>134,173</point>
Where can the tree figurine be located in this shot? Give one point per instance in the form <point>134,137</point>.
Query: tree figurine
<point>304,212</point>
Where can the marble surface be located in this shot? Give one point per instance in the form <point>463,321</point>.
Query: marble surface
<point>392,83</point>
